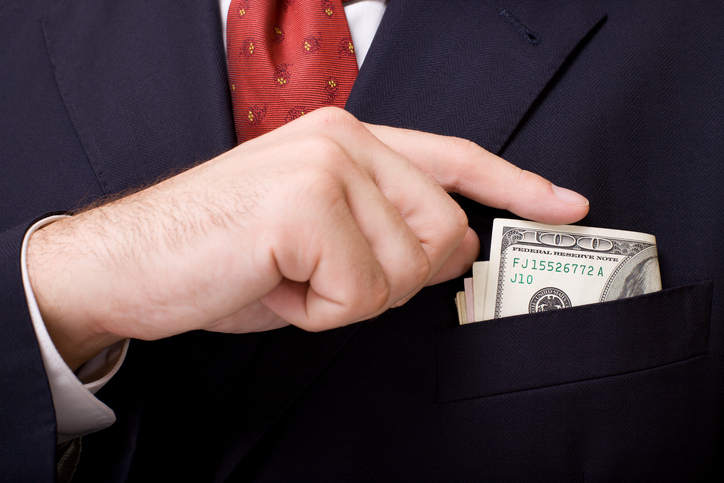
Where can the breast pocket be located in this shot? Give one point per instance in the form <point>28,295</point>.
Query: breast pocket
<point>571,345</point>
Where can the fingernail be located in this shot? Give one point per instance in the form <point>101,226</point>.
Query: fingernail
<point>568,196</point>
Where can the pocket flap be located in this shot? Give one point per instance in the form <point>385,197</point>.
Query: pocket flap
<point>570,345</point>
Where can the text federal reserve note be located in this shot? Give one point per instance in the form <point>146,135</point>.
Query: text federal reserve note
<point>535,267</point>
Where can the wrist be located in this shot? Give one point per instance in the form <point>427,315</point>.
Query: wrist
<point>55,270</point>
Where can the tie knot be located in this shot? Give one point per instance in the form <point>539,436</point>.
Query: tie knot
<point>285,59</point>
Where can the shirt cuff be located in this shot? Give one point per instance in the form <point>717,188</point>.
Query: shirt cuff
<point>77,411</point>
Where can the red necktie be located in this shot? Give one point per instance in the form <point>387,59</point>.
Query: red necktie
<point>286,58</point>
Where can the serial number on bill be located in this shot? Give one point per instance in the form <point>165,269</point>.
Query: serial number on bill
<point>550,266</point>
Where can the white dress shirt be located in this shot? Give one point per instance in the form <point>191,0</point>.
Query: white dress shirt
<point>77,410</point>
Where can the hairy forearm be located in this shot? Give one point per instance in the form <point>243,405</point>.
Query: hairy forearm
<point>50,260</point>
<point>111,272</point>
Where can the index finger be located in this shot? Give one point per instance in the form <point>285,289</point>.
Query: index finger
<point>463,167</point>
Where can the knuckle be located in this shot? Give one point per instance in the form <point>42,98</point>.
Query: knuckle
<point>324,162</point>
<point>452,222</point>
<point>331,118</point>
<point>377,298</point>
<point>451,231</point>
<point>365,303</point>
<point>350,303</point>
<point>322,148</point>
<point>420,270</point>
<point>463,149</point>
<point>521,176</point>
<point>459,223</point>
<point>520,179</point>
<point>466,154</point>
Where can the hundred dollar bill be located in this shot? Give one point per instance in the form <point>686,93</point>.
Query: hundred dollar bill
<point>464,303</point>
<point>480,284</point>
<point>535,267</point>
<point>469,301</point>
<point>462,308</point>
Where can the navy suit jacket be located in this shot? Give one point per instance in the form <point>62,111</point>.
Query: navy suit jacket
<point>621,101</point>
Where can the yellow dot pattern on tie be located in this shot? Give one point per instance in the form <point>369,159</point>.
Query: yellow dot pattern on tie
<point>287,58</point>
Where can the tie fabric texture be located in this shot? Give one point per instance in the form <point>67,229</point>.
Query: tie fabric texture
<point>286,58</point>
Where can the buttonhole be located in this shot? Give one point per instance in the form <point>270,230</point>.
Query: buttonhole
<point>529,36</point>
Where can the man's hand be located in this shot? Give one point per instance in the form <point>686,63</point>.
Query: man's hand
<point>325,221</point>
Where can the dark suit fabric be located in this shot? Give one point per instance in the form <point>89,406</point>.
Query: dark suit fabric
<point>621,101</point>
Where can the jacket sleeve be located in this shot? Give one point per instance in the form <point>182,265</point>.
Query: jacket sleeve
<point>27,417</point>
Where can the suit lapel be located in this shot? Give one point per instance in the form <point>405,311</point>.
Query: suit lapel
<point>467,68</point>
<point>144,99</point>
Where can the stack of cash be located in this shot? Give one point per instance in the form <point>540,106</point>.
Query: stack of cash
<point>535,267</point>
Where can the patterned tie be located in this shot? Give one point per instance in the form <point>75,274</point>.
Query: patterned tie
<point>286,58</point>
